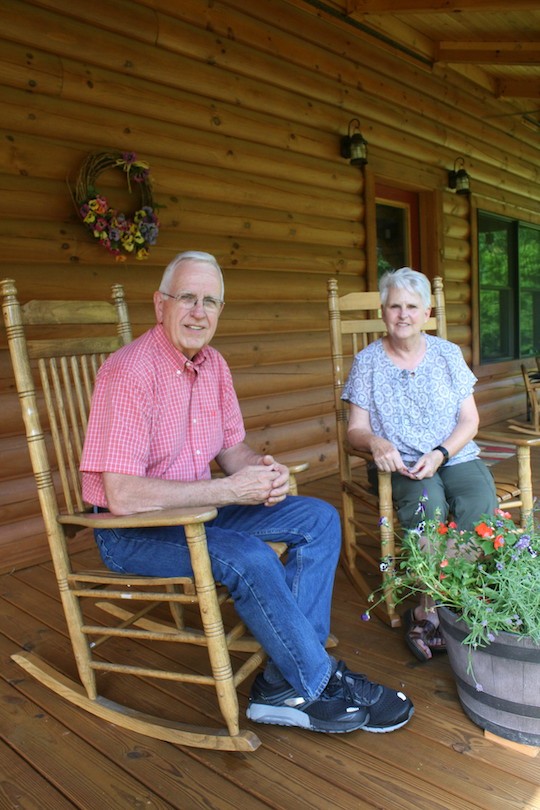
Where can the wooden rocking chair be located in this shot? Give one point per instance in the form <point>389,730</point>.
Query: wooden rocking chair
<point>531,379</point>
<point>66,370</point>
<point>355,321</point>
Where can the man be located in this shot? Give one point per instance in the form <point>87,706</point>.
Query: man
<point>163,408</point>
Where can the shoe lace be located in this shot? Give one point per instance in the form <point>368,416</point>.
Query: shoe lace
<point>356,687</point>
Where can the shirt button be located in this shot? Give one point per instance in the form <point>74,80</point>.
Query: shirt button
<point>197,452</point>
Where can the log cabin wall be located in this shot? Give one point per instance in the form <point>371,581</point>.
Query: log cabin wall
<point>239,110</point>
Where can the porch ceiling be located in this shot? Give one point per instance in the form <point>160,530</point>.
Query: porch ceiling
<point>495,43</point>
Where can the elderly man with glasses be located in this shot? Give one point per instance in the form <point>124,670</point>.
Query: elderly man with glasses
<point>164,408</point>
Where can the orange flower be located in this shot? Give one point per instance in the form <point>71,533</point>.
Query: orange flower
<point>483,530</point>
<point>452,525</point>
<point>499,541</point>
<point>444,563</point>
<point>442,528</point>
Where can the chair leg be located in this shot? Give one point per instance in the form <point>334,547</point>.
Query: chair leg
<point>388,545</point>
<point>386,612</point>
<point>525,482</point>
<point>212,620</point>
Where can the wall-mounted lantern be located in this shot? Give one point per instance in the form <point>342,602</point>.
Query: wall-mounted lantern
<point>353,145</point>
<point>458,179</point>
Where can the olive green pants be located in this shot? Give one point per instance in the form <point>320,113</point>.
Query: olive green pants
<point>463,491</point>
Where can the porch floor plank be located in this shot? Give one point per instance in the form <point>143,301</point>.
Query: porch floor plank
<point>22,786</point>
<point>53,755</point>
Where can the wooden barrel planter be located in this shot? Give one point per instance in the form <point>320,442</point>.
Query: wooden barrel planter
<point>508,671</point>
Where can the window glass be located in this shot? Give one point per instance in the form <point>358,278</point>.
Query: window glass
<point>529,292</point>
<point>509,276</point>
<point>392,238</point>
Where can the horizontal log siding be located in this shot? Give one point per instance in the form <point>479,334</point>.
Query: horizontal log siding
<point>238,108</point>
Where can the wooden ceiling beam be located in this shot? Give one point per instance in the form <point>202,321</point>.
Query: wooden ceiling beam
<point>518,88</point>
<point>434,6</point>
<point>489,53</point>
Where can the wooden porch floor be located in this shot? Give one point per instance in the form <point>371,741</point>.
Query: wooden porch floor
<point>53,755</point>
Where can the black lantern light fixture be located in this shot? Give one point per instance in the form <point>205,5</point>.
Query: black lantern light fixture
<point>458,179</point>
<point>354,145</point>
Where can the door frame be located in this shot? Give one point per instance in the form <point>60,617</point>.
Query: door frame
<point>430,226</point>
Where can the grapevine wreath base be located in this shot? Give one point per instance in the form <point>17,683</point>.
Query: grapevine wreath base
<point>121,234</point>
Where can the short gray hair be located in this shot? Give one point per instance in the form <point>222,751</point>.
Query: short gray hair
<point>189,255</point>
<point>406,279</point>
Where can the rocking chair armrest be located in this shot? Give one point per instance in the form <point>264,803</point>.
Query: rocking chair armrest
<point>160,517</point>
<point>352,451</point>
<point>296,467</point>
<point>508,437</point>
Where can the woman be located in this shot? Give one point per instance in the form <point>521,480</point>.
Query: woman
<point>412,406</point>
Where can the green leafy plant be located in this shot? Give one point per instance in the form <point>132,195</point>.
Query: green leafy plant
<point>489,576</point>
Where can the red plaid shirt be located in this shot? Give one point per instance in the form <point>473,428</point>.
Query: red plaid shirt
<point>157,414</point>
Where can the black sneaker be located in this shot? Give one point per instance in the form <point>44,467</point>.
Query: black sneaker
<point>388,709</point>
<point>280,704</point>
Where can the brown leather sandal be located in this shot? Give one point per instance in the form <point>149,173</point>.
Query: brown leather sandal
<point>422,632</point>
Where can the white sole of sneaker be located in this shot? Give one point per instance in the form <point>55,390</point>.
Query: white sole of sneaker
<point>395,727</point>
<point>286,716</point>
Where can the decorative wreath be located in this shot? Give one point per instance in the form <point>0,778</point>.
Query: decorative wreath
<point>121,234</point>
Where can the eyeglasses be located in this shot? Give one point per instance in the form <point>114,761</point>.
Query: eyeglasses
<point>190,300</point>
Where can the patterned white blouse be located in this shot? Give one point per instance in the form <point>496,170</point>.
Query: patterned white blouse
<point>415,410</point>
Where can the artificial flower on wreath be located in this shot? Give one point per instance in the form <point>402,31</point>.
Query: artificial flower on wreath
<point>121,234</point>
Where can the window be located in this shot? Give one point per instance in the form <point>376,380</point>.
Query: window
<point>509,272</point>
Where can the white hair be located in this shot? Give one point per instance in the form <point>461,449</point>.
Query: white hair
<point>189,255</point>
<point>406,279</point>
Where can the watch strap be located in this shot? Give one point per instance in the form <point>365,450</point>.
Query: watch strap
<point>445,453</point>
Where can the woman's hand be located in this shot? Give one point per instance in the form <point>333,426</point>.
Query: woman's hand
<point>426,466</point>
<point>386,456</point>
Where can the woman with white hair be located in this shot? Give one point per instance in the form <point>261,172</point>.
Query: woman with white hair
<point>412,406</point>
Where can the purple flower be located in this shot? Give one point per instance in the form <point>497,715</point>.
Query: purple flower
<point>365,617</point>
<point>523,542</point>
<point>141,177</point>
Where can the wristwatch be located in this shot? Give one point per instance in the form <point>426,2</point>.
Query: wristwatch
<point>445,453</point>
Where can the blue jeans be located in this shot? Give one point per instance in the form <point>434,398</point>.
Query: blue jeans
<point>286,606</point>
<point>465,490</point>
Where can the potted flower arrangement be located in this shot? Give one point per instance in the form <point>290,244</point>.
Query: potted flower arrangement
<point>486,583</point>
